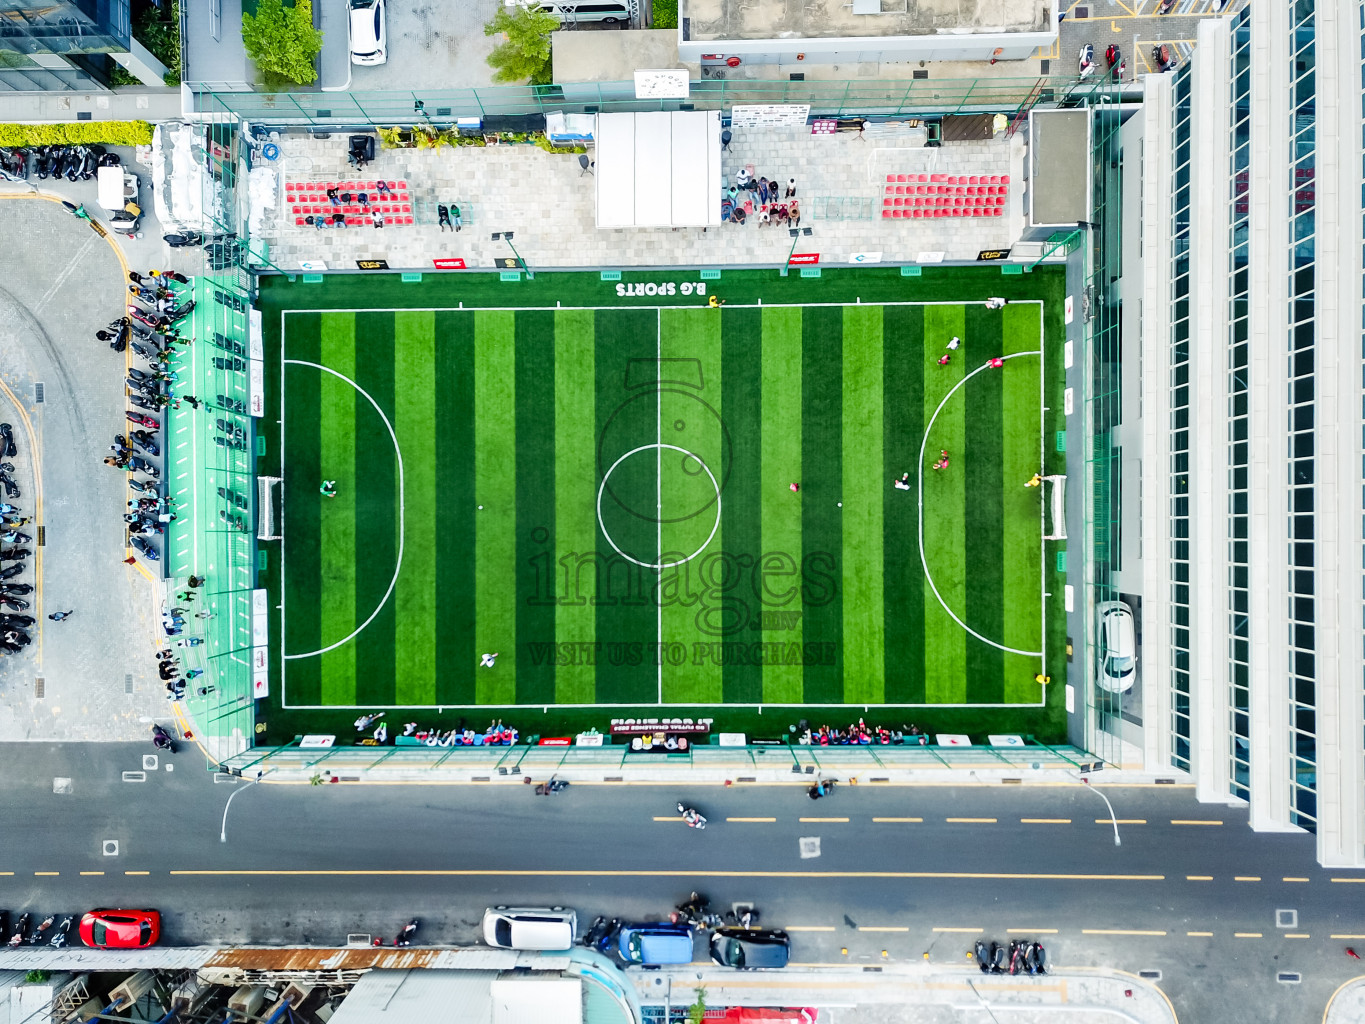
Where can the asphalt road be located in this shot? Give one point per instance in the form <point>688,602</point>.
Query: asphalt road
<point>1191,892</point>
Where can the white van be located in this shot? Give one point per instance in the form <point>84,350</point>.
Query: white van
<point>529,927</point>
<point>611,12</point>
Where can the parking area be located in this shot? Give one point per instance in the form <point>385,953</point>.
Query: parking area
<point>432,45</point>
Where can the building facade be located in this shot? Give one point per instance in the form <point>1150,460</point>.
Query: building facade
<point>62,45</point>
<point>1247,403</point>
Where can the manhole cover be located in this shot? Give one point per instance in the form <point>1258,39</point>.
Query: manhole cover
<point>62,787</point>
<point>1150,975</point>
<point>149,762</point>
<point>1289,977</point>
<point>1286,919</point>
<point>110,847</point>
<point>810,847</point>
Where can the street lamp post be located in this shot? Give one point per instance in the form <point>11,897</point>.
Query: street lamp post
<point>796,233</point>
<point>222,832</point>
<point>506,236</point>
<point>1112,817</point>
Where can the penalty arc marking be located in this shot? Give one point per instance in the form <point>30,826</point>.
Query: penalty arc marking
<point>398,565</point>
<point>923,561</point>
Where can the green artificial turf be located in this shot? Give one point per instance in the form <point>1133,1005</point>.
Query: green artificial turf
<point>523,410</point>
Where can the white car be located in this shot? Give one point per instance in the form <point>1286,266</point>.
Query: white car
<point>369,38</point>
<point>1117,647</point>
<point>534,928</point>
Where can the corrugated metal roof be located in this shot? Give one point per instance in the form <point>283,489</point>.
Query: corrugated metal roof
<point>79,958</point>
<point>400,997</point>
<point>292,958</point>
<point>534,999</point>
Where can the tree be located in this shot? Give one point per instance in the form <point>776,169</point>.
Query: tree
<point>524,53</point>
<point>282,40</point>
<point>696,1013</point>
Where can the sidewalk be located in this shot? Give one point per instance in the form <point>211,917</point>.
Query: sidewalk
<point>132,104</point>
<point>918,994</point>
<point>1347,1005</point>
<point>550,204</point>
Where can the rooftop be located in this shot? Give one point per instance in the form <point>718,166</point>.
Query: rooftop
<point>827,19</point>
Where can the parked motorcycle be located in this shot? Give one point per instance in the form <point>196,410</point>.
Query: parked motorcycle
<point>822,788</point>
<point>692,816</point>
<point>1087,60</point>
<point>144,441</point>
<point>17,604</point>
<point>10,554</point>
<point>38,935</point>
<point>14,570</point>
<point>145,548</point>
<point>404,937</point>
<point>59,939</point>
<point>17,939</point>
<point>142,421</point>
<point>7,440</point>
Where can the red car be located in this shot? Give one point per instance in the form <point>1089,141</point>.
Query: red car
<point>121,929</point>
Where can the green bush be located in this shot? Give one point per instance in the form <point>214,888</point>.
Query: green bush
<point>665,13</point>
<point>158,29</point>
<point>282,40</point>
<point>104,133</point>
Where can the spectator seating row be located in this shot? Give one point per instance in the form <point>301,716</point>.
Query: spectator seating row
<point>309,198</point>
<point>948,179</point>
<point>947,211</point>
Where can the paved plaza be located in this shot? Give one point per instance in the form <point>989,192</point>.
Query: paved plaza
<point>550,204</point>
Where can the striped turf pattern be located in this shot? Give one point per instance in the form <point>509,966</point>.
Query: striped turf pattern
<point>793,598</point>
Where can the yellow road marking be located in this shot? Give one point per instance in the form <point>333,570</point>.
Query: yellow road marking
<point>1200,935</point>
<point>46,874</point>
<point>1292,878</point>
<point>822,819</point>
<point>1246,935</point>
<point>1357,880</point>
<point>669,817</point>
<point>1122,821</point>
<point>137,872</point>
<point>1030,931</point>
<point>1199,878</point>
<point>809,928</point>
<point>914,820</point>
<point>1348,936</point>
<point>652,873</point>
<point>1116,931</point>
<point>970,821</point>
<point>1296,935</point>
<point>1194,821</point>
<point>883,928</point>
<point>750,819</point>
<point>1045,821</point>
<point>92,872</point>
<point>966,931</point>
<point>1246,878</point>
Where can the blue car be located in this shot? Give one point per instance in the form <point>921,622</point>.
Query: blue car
<point>655,944</point>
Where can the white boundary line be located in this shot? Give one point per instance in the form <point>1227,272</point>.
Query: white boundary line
<point>1042,507</point>
<point>398,565</point>
<point>658,488</point>
<point>659,312</point>
<point>284,703</point>
<point>922,560</point>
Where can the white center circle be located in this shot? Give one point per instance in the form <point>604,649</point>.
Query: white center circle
<point>658,566</point>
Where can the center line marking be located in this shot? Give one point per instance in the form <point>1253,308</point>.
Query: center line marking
<point>1194,821</point>
<point>966,931</point>
<point>821,819</point>
<point>46,874</point>
<point>1292,878</point>
<point>916,820</point>
<point>1200,935</point>
<point>92,872</point>
<point>137,872</point>
<point>1122,821</point>
<point>1031,931</point>
<point>970,821</point>
<point>1296,935</point>
<point>750,819</point>
<point>883,928</point>
<point>1246,935</point>
<point>809,928</point>
<point>1045,821</point>
<point>1348,936</point>
<point>1116,931</point>
<point>1246,878</point>
<point>1199,878</point>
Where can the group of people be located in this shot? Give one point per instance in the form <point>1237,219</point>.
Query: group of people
<point>767,200</point>
<point>496,735</point>
<point>861,734</point>
<point>149,514</point>
<point>449,217</point>
<point>176,678</point>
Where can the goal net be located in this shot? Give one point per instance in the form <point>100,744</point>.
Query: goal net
<point>267,493</point>
<point>1055,527</point>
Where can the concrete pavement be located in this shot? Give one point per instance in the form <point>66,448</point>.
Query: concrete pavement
<point>88,677</point>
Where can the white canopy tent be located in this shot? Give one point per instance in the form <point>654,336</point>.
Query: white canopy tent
<point>658,169</point>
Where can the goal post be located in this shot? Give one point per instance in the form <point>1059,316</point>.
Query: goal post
<point>267,493</point>
<point>1055,527</point>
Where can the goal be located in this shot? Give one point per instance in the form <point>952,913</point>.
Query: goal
<point>1055,528</point>
<point>267,492</point>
